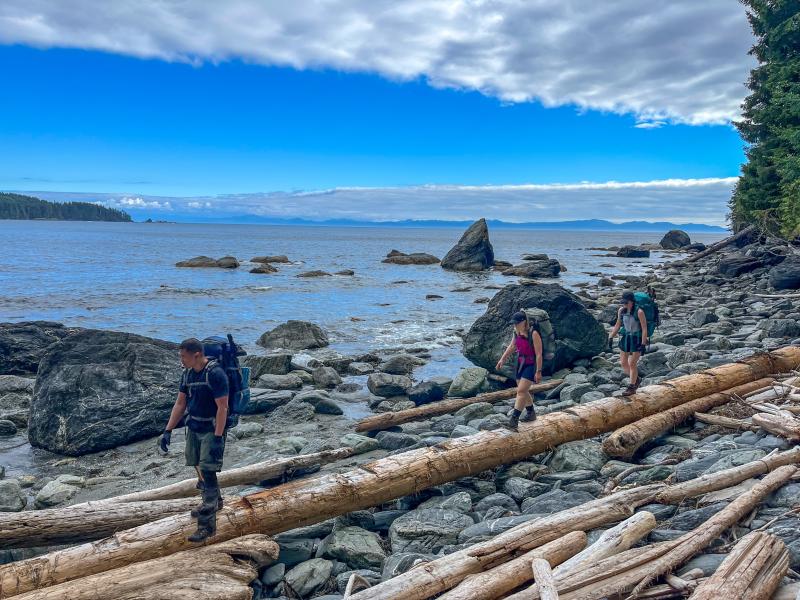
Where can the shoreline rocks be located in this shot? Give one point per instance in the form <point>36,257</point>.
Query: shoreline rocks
<point>205,262</point>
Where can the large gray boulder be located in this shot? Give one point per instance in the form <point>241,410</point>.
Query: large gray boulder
<point>427,530</point>
<point>536,268</point>
<point>386,385</point>
<point>271,364</point>
<point>101,389</point>
<point>468,382</point>
<point>15,398</point>
<point>308,576</point>
<point>294,335</point>
<point>675,239</point>
<point>22,345</point>
<point>473,252</point>
<point>786,276</point>
<point>578,333</point>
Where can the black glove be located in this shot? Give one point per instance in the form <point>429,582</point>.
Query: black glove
<point>164,442</point>
<point>217,448</point>
<point>641,349</point>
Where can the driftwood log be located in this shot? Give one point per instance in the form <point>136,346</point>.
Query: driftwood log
<point>312,500</point>
<point>716,247</point>
<point>783,424</point>
<point>544,579</point>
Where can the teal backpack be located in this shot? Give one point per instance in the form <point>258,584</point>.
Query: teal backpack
<point>647,302</point>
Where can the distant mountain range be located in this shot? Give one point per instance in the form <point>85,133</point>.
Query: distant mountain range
<point>581,225</point>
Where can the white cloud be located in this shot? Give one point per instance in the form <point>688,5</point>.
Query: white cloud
<point>138,202</point>
<point>680,61</point>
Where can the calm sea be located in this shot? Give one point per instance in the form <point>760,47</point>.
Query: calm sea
<point>122,276</point>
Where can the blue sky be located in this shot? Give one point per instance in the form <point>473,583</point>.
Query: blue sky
<point>149,116</point>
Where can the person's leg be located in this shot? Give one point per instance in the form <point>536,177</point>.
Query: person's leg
<point>530,413</point>
<point>523,400</point>
<point>212,499</point>
<point>633,365</point>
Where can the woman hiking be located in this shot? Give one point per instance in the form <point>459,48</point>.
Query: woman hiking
<point>528,344</point>
<point>633,341</point>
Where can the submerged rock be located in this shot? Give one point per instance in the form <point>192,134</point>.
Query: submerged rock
<point>101,389</point>
<point>473,252</point>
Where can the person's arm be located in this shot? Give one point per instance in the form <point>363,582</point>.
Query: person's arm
<point>511,347</point>
<point>617,325</point>
<point>537,348</point>
<point>177,411</point>
<point>643,323</point>
<point>222,415</point>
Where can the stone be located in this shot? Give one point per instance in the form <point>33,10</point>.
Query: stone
<point>480,532</point>
<point>702,317</point>
<point>326,377</point>
<point>7,428</point>
<point>535,269</point>
<point>567,477</point>
<point>735,459</point>
<point>315,273</point>
<point>675,239</point>
<point>707,563</point>
<point>633,252</point>
<point>786,276</point>
<point>294,412</point>
<point>554,501</point>
<point>469,382</point>
<point>22,345</point>
<point>519,489</point>
<point>738,264</point>
<point>683,356</point>
<point>788,530</point>
<point>578,333</point>
<point>55,493</point>
<point>498,499</point>
<point>264,269</point>
<point>12,498</point>
<point>581,454</point>
<point>400,562</point>
<point>360,368</point>
<point>264,401</point>
<point>246,430</point>
<point>476,410</point>
<point>427,530</point>
<point>294,335</point>
<point>691,519</point>
<point>425,393</point>
<point>294,551</point>
<point>271,364</point>
<point>360,443</point>
<point>400,364</point>
<point>289,381</point>
<point>473,252</point>
<point>328,407</point>
<point>463,431</point>
<point>308,576</point>
<point>279,258</point>
<point>573,393</point>
<point>356,547</point>
<point>387,385</point>
<point>101,389</point>
<point>415,258</point>
<point>780,328</point>
<point>371,577</point>
<point>392,440</point>
<point>273,575</point>
<point>226,262</point>
<point>459,502</point>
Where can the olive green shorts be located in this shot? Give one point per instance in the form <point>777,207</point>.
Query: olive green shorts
<point>198,450</point>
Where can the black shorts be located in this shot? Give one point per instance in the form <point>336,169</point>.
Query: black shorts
<point>526,372</point>
<point>630,342</point>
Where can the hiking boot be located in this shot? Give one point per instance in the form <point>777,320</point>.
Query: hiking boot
<point>631,389</point>
<point>211,503</point>
<point>206,528</point>
<point>513,423</point>
<point>528,415</point>
<point>199,509</point>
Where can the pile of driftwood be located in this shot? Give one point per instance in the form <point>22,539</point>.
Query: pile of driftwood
<point>151,550</point>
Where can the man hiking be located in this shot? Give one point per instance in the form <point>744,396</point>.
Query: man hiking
<point>528,344</point>
<point>203,393</point>
<point>632,341</point>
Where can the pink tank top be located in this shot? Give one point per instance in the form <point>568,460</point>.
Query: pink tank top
<point>525,352</point>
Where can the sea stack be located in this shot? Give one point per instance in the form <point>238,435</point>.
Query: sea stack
<point>473,252</point>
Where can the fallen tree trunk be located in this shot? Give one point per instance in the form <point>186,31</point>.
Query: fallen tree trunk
<point>544,579</point>
<point>716,247</point>
<point>443,407</point>
<point>312,500</point>
<point>218,572</point>
<point>624,442</point>
<point>726,422</point>
<point>785,426</point>
<point>508,576</point>
<point>757,557</point>
<point>247,475</point>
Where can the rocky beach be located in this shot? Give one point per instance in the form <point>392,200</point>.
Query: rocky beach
<point>80,409</point>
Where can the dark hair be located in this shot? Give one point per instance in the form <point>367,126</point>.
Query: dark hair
<point>628,297</point>
<point>192,345</point>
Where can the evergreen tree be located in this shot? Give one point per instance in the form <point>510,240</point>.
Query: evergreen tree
<point>768,191</point>
<point>18,206</point>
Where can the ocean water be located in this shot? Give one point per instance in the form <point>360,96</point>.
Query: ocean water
<point>122,276</point>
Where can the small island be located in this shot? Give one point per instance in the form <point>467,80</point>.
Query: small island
<point>21,207</point>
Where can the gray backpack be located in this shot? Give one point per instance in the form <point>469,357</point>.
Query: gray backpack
<point>539,320</point>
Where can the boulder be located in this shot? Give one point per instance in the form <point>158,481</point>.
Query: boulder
<point>101,389</point>
<point>425,393</point>
<point>786,276</point>
<point>12,498</point>
<point>386,385</point>
<point>294,335</point>
<point>400,562</point>
<point>7,428</point>
<point>781,328</point>
<point>702,317</point>
<point>459,502</point>
<point>400,364</point>
<point>519,488</point>
<point>473,252</point>
<point>370,576</point>
<point>271,364</point>
<point>54,493</point>
<point>307,577</point>
<point>15,399</point>
<point>359,443</point>
<point>270,259</point>
<point>427,530</point>
<point>393,440</point>
<point>468,382</point>
<point>554,501</point>
<point>264,401</point>
<point>536,268</point>
<point>280,382</point>
<point>226,262</point>
<point>264,269</point>
<point>578,333</point>
<point>22,345</point>
<point>675,239</point>
<point>356,547</point>
<point>416,258</point>
<point>581,454</point>
<point>633,252</point>
<point>326,377</point>
<point>316,273</point>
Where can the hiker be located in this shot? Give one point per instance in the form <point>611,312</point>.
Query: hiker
<point>203,394</point>
<point>633,340</point>
<point>528,344</point>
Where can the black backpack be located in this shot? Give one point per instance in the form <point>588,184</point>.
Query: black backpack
<point>225,353</point>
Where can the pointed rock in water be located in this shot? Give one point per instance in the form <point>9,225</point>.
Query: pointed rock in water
<point>473,252</point>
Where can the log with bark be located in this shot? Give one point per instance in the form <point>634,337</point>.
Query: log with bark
<point>624,442</point>
<point>443,407</point>
<point>716,247</point>
<point>313,500</point>
<point>544,579</point>
<point>218,572</point>
<point>758,561</point>
<point>508,576</point>
<point>783,424</point>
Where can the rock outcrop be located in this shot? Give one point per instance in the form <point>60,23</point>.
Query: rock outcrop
<point>226,262</point>
<point>473,252</point>
<point>675,239</point>
<point>294,335</point>
<point>22,345</point>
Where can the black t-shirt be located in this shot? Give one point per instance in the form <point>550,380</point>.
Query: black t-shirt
<point>200,397</point>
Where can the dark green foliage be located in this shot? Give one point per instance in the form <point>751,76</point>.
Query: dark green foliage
<point>17,206</point>
<point>768,191</point>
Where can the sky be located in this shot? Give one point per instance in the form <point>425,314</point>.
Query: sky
<point>520,110</point>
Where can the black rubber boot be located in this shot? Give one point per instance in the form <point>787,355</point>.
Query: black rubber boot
<point>529,415</point>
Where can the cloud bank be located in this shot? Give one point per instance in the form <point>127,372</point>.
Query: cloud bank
<point>675,200</point>
<point>678,61</point>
